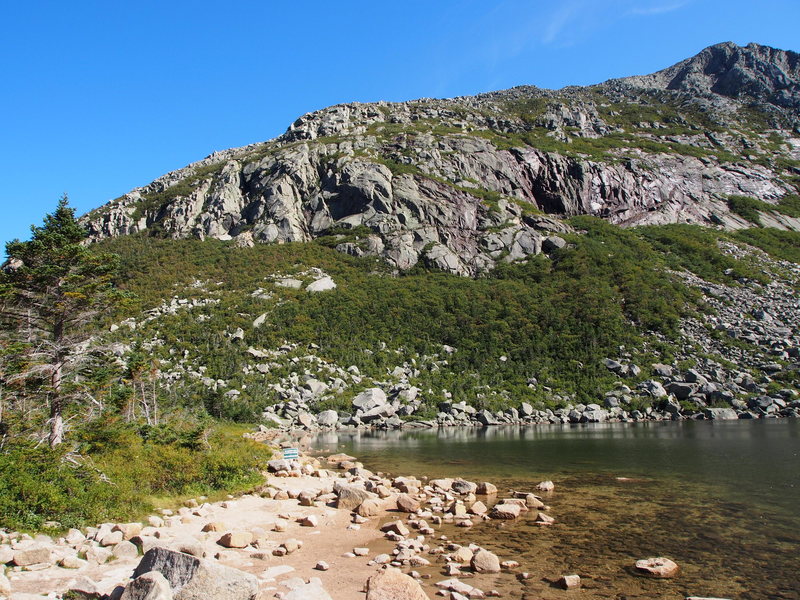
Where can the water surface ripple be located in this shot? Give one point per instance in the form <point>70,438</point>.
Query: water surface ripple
<point>720,498</point>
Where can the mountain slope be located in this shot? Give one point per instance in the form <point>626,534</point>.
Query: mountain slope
<point>461,184</point>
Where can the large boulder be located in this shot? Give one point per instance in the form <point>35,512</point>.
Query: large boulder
<point>378,412</point>
<point>461,486</point>
<point>505,511</point>
<point>327,418</point>
<point>369,399</point>
<point>407,504</point>
<point>321,285</point>
<point>197,579</point>
<point>392,584</point>
<point>484,561</point>
<point>236,539</point>
<point>720,414</point>
<point>348,497</point>
<point>33,554</point>
<point>485,418</point>
<point>150,586</point>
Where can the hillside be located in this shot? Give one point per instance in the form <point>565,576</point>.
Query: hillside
<point>622,252</point>
<point>461,184</point>
<point>521,189</point>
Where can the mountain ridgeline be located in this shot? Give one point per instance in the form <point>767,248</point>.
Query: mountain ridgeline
<point>463,183</point>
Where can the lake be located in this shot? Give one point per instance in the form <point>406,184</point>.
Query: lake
<point>721,498</point>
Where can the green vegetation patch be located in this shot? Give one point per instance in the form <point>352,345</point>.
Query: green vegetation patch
<point>783,245</point>
<point>696,249</point>
<point>120,470</point>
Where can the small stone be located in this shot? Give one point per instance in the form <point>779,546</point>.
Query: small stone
<point>215,526</point>
<point>360,551</point>
<point>462,556</point>
<point>310,521</point>
<point>236,539</point>
<point>292,545</point>
<point>397,527</point>
<point>98,555</point>
<point>464,523</point>
<point>661,568</point>
<point>546,486</point>
<point>570,582</point>
<point>486,489</point>
<point>322,566</point>
<point>478,508</point>
<point>369,508</point>
<point>280,525</point>
<point>155,521</point>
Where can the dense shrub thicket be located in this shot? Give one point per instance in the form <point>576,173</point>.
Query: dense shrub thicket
<point>116,470</point>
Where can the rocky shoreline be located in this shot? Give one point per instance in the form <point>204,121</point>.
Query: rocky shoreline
<point>693,395</point>
<point>317,529</point>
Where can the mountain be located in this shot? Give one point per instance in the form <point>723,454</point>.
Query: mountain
<point>464,183</point>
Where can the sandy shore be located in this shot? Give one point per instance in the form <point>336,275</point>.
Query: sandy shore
<point>274,518</point>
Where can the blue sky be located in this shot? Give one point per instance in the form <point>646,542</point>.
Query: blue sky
<point>100,97</point>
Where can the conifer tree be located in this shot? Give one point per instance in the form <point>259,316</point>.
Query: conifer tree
<point>51,288</point>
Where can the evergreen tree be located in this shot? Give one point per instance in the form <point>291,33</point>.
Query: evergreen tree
<point>51,287</point>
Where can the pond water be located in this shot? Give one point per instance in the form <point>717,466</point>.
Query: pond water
<point>720,498</point>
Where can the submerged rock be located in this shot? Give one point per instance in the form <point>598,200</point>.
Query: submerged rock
<point>660,567</point>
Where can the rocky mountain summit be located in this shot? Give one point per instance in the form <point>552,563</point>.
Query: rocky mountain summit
<point>461,184</point>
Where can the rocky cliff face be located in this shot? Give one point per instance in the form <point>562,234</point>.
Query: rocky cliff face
<point>463,183</point>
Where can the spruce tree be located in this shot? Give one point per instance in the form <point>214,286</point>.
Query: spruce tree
<point>52,286</point>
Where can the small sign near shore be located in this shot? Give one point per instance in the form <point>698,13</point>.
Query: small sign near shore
<point>290,453</point>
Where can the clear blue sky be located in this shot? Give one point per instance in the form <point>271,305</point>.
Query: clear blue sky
<point>100,97</point>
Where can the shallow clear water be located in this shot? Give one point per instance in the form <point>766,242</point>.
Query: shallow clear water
<point>720,498</point>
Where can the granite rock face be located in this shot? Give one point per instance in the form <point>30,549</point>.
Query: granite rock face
<point>462,184</point>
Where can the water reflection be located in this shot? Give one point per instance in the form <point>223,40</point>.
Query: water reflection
<point>754,461</point>
<point>721,498</point>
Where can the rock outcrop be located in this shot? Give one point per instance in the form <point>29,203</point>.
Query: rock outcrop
<point>462,184</point>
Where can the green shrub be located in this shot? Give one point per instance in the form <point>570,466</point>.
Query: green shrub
<point>120,469</point>
<point>748,208</point>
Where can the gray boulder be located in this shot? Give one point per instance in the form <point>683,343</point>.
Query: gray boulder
<point>192,578</point>
<point>681,389</point>
<point>662,370</point>
<point>485,418</point>
<point>348,497</point>
<point>150,586</point>
<point>327,418</point>
<point>720,414</point>
<point>378,412</point>
<point>653,388</point>
<point>369,399</point>
<point>279,464</point>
